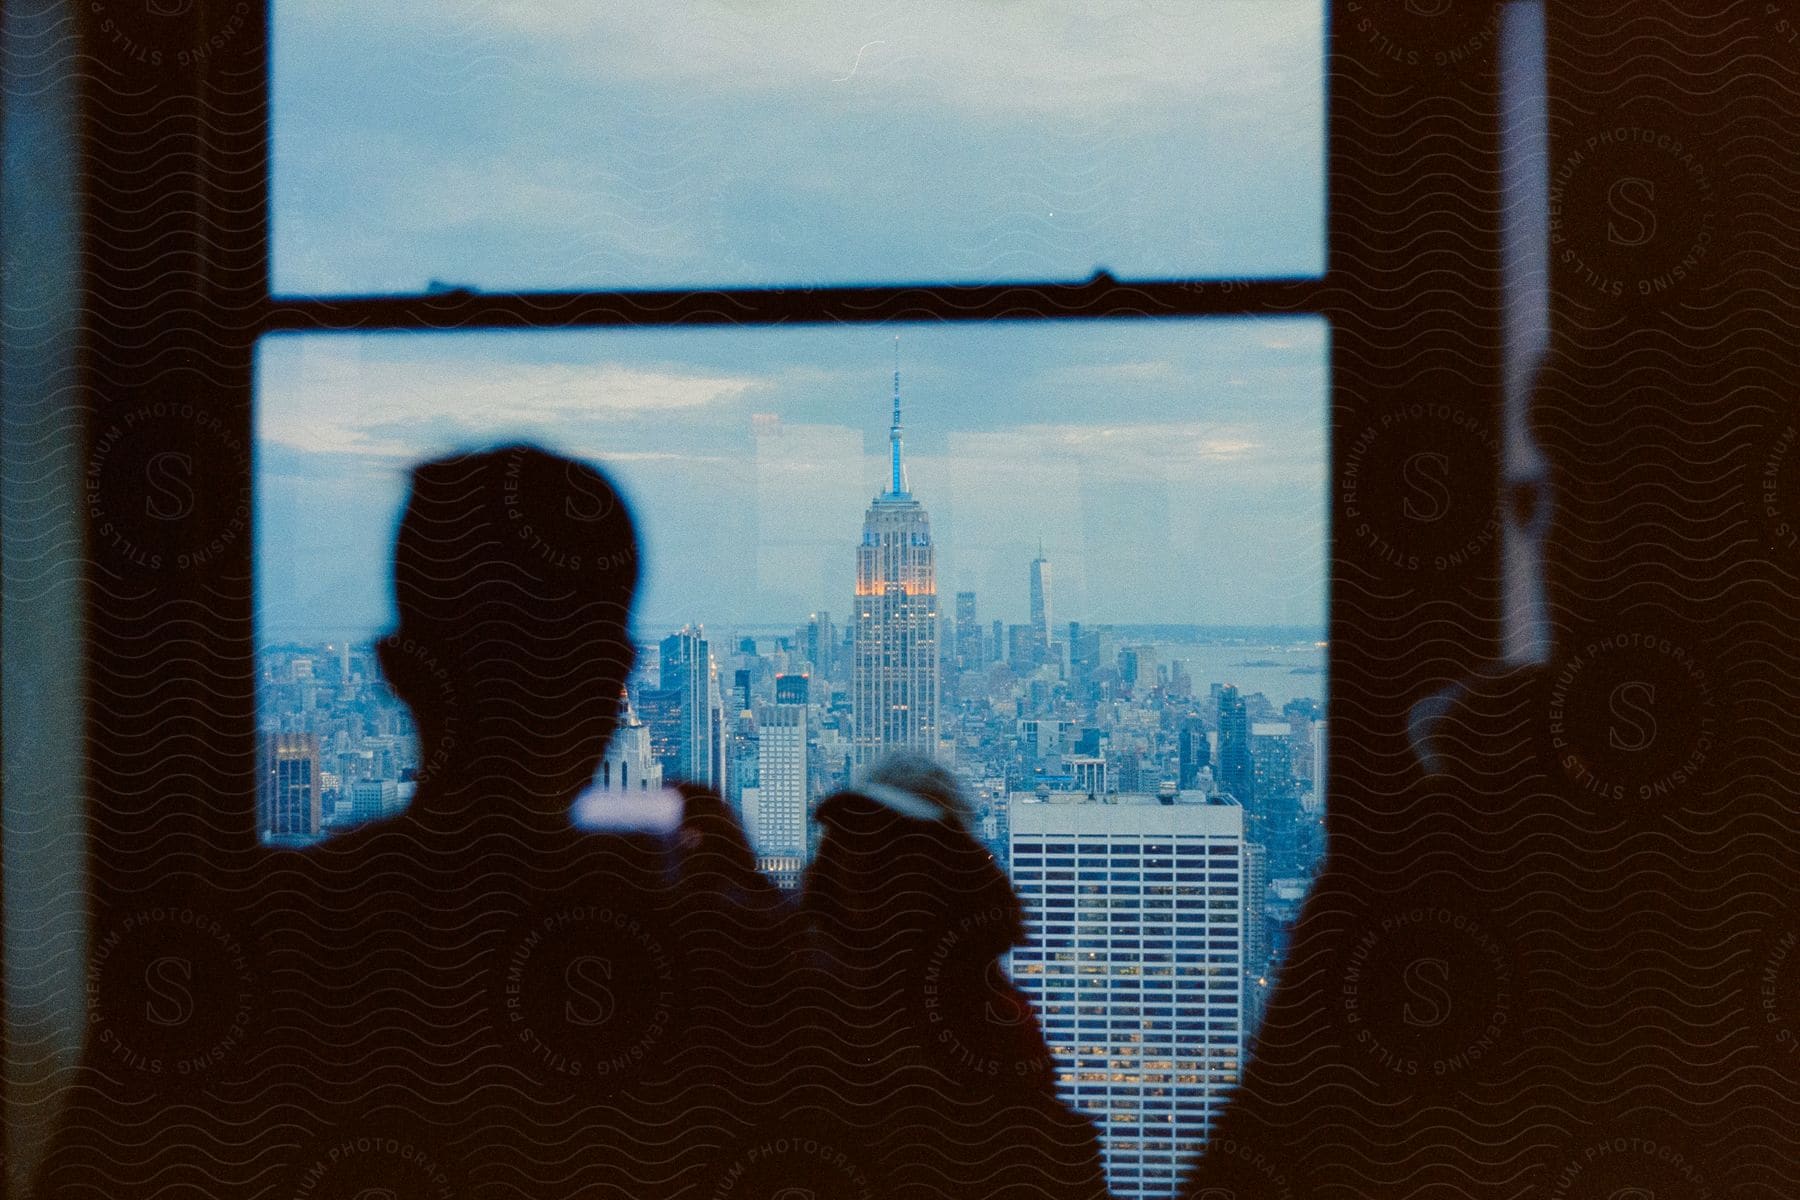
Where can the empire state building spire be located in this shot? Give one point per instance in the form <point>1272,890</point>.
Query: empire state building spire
<point>894,682</point>
<point>897,486</point>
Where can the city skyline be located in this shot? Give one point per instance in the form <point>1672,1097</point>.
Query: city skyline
<point>1082,754</point>
<point>1201,804</point>
<point>1175,474</point>
<point>1064,482</point>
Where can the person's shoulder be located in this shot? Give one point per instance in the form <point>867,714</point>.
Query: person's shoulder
<point>389,835</point>
<point>343,866</point>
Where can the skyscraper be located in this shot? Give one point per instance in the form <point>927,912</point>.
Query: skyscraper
<point>1040,603</point>
<point>671,653</point>
<point>1301,716</point>
<point>1319,768</point>
<point>1192,751</point>
<point>290,781</point>
<point>1257,984</point>
<point>688,668</point>
<point>894,654</point>
<point>630,764</point>
<point>1275,810</point>
<point>968,634</point>
<point>821,642</point>
<point>741,752</point>
<point>663,713</point>
<point>1128,666</point>
<point>793,689</point>
<point>1235,767</point>
<point>1271,758</point>
<point>1022,648</point>
<point>1084,657</point>
<point>1146,1020</point>
<point>777,822</point>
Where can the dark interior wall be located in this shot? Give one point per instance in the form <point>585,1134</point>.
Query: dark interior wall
<point>174,176</point>
<point>1668,411</point>
<point>1563,963</point>
<point>173,166</point>
<point>171,182</point>
<point>1665,410</point>
<point>134,283</point>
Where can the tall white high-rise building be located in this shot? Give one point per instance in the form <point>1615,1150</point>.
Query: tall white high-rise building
<point>1135,967</point>
<point>777,817</point>
<point>894,651</point>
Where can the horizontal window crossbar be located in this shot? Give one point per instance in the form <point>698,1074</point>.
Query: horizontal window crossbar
<point>1101,296</point>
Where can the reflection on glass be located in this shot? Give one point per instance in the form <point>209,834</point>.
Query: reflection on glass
<point>558,145</point>
<point>1100,547</point>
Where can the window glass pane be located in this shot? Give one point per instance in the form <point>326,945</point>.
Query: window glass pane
<point>1123,575</point>
<point>1173,470</point>
<point>556,145</point>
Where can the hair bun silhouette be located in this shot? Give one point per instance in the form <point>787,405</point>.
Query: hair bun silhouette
<point>900,846</point>
<point>917,786</point>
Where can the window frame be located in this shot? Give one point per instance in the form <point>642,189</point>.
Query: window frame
<point>1401,282</point>
<point>145,199</point>
<point>1099,297</point>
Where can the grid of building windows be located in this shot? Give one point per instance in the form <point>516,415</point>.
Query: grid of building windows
<point>1135,967</point>
<point>776,809</point>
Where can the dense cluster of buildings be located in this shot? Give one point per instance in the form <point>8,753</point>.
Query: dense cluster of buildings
<point>1159,828</point>
<point>337,748</point>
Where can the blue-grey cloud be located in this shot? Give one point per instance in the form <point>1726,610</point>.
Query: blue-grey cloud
<point>1175,471</point>
<point>554,144</point>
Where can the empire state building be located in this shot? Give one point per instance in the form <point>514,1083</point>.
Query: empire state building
<point>894,672</point>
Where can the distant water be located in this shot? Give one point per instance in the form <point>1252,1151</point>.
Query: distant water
<point>1298,667</point>
<point>1212,663</point>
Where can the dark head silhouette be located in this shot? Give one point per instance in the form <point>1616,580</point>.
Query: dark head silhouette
<point>935,1057</point>
<point>898,857</point>
<point>514,573</point>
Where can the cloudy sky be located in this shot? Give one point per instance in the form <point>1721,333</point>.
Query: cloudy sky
<point>1173,470</point>
<point>576,143</point>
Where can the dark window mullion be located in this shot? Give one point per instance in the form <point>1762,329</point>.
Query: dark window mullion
<point>1099,297</point>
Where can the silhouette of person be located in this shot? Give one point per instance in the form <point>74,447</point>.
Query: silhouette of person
<point>1581,880</point>
<point>522,984</point>
<point>926,1057</point>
